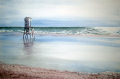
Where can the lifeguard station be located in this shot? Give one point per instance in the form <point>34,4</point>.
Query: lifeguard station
<point>28,31</point>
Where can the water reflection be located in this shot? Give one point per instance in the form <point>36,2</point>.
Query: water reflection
<point>28,45</point>
<point>62,53</point>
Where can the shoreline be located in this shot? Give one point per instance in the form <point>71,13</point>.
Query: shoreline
<point>73,35</point>
<point>14,71</point>
<point>81,35</point>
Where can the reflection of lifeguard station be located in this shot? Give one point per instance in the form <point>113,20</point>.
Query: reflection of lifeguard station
<point>27,29</point>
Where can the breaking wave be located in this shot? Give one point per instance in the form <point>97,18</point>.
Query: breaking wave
<point>68,30</point>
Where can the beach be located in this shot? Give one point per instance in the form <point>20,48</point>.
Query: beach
<point>59,39</point>
<point>53,55</point>
<point>25,72</point>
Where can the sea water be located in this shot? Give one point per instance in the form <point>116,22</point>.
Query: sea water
<point>63,48</point>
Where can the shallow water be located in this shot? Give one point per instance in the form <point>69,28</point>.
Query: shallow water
<point>71,53</point>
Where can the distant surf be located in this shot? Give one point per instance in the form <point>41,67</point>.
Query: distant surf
<point>101,31</point>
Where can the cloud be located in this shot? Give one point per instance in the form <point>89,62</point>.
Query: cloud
<point>98,10</point>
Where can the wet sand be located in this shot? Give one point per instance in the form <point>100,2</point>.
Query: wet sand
<point>8,71</point>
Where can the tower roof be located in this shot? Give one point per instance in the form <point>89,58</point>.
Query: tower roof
<point>28,18</point>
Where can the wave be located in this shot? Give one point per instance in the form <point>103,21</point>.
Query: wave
<point>68,30</point>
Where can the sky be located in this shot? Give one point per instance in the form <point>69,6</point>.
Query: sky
<point>74,13</point>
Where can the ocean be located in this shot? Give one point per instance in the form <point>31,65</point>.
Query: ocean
<point>76,49</point>
<point>108,31</point>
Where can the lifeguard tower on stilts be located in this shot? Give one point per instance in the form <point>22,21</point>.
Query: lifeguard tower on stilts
<point>28,31</point>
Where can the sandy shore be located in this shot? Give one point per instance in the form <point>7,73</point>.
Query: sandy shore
<point>24,72</point>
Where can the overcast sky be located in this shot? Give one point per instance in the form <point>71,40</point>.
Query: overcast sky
<point>60,12</point>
